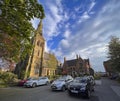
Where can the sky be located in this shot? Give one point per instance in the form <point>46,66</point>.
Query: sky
<point>80,27</point>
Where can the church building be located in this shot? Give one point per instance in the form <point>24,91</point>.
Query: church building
<point>35,61</point>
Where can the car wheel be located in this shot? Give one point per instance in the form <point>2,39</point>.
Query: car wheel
<point>88,94</point>
<point>34,85</point>
<point>63,88</point>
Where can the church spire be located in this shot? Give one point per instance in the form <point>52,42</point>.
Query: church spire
<point>40,26</point>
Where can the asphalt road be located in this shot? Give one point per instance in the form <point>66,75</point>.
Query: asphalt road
<point>103,92</point>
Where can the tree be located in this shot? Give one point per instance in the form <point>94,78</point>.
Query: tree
<point>16,29</point>
<point>114,53</point>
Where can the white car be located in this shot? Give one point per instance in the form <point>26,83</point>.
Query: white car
<point>61,83</point>
<point>33,82</point>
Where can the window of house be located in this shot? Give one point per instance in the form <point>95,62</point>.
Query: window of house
<point>36,70</point>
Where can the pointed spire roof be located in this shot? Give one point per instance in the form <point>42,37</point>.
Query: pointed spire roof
<point>40,26</point>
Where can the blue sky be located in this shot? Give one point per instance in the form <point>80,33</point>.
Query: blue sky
<point>82,27</point>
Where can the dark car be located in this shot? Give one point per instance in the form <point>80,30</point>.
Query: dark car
<point>114,76</point>
<point>92,81</point>
<point>21,82</point>
<point>81,86</point>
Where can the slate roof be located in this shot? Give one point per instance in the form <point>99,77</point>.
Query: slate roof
<point>71,62</point>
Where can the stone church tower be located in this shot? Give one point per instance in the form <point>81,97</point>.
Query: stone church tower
<point>35,61</point>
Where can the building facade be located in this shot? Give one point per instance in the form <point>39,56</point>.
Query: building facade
<point>50,64</point>
<point>76,67</point>
<point>108,68</point>
<point>39,63</point>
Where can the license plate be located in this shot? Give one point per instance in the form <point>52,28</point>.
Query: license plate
<point>74,91</point>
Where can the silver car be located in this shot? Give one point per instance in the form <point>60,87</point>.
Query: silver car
<point>33,82</point>
<point>61,83</point>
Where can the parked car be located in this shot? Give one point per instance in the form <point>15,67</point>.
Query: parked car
<point>61,83</point>
<point>43,81</point>
<point>92,80</point>
<point>21,82</point>
<point>81,86</point>
<point>33,82</point>
<point>114,76</point>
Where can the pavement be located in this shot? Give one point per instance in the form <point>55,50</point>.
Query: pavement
<point>115,86</point>
<point>105,90</point>
<point>116,89</point>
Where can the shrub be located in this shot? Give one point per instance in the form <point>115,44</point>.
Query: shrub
<point>97,77</point>
<point>7,78</point>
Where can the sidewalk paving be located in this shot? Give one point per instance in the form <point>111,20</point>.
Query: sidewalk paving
<point>116,89</point>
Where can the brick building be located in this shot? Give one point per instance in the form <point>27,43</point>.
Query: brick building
<point>108,68</point>
<point>76,67</point>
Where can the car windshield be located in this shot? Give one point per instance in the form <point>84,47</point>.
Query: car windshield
<point>42,78</point>
<point>83,80</point>
<point>60,79</point>
<point>80,80</point>
<point>63,78</point>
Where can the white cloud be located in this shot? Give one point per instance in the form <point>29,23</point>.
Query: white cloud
<point>55,13</point>
<point>97,23</point>
<point>64,43</point>
<point>89,36</point>
<point>91,6</point>
<point>50,27</point>
<point>47,49</point>
<point>85,16</point>
<point>35,22</point>
<point>67,34</point>
<point>52,19</point>
<point>91,40</point>
<point>67,25</point>
<point>58,53</point>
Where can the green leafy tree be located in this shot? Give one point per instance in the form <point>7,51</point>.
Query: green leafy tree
<point>114,53</point>
<point>16,29</point>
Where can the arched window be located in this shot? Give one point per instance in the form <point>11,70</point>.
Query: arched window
<point>38,52</point>
<point>38,42</point>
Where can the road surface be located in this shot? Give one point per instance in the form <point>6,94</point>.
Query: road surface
<point>105,90</point>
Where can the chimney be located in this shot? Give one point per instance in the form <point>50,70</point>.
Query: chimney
<point>76,56</point>
<point>64,59</point>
